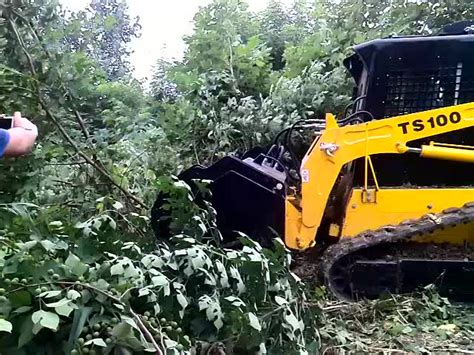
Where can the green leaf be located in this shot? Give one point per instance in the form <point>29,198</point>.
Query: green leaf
<point>117,269</point>
<point>171,345</point>
<point>11,266</point>
<point>77,267</point>
<point>59,303</point>
<point>5,326</point>
<point>182,300</point>
<point>159,280</point>
<point>50,294</point>
<point>122,331</point>
<point>64,310</point>
<point>234,273</point>
<point>235,301</point>
<point>259,63</point>
<point>26,332</point>
<point>213,310</point>
<point>28,245</point>
<point>112,224</point>
<point>204,302</point>
<point>98,341</point>
<point>101,284</point>
<point>56,224</point>
<point>224,279</point>
<point>262,349</point>
<point>23,309</point>
<point>280,300</point>
<point>73,294</point>
<point>143,292</point>
<point>20,299</point>
<point>46,319</point>
<point>291,319</point>
<point>219,323</point>
<point>254,322</point>
<point>48,245</point>
<point>131,322</point>
<point>157,308</point>
<point>396,329</point>
<point>131,272</point>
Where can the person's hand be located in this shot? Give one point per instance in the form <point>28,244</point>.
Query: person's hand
<point>22,122</point>
<point>23,135</point>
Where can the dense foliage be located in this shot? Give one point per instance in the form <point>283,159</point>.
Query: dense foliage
<point>82,288</point>
<point>81,272</point>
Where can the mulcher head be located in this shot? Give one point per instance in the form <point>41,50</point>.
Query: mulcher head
<point>248,195</point>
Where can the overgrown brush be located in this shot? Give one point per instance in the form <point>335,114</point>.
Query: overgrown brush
<point>81,288</point>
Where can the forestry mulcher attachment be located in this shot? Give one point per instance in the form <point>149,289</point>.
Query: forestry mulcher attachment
<point>385,194</point>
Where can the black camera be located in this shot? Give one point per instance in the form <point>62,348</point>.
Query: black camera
<point>6,122</point>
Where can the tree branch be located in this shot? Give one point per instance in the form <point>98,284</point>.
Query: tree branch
<point>39,39</point>
<point>84,130</point>
<point>89,160</point>
<point>146,332</point>
<point>61,129</point>
<point>68,163</point>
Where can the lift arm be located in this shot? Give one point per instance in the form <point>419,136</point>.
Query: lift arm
<point>338,146</point>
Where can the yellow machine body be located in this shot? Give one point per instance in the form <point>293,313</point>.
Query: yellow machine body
<point>371,207</point>
<point>393,206</point>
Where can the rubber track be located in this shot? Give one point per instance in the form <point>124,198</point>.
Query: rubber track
<point>402,232</point>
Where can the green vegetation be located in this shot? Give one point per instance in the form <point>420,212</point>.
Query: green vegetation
<point>81,271</point>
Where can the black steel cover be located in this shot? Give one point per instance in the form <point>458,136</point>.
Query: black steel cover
<point>400,75</point>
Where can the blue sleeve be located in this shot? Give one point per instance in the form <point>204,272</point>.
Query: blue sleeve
<point>4,139</point>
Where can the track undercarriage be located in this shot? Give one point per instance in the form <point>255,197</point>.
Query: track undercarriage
<point>388,260</point>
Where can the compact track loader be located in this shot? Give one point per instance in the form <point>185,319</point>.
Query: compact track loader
<point>385,193</point>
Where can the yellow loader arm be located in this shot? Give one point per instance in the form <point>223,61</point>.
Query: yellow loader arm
<point>337,146</point>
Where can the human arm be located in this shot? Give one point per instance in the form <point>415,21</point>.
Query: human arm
<point>23,135</point>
